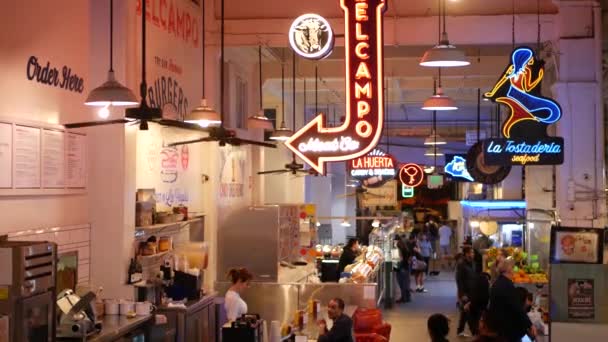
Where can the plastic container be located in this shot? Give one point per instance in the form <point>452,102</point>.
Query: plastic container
<point>196,254</point>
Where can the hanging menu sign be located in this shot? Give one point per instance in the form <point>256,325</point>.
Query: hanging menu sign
<point>317,144</point>
<point>53,159</point>
<point>374,169</point>
<point>26,152</point>
<point>525,131</point>
<point>75,160</point>
<point>6,155</point>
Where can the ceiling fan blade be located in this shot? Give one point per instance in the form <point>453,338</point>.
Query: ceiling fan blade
<point>305,172</point>
<point>96,123</point>
<point>206,139</point>
<point>272,172</point>
<point>238,141</point>
<point>181,124</point>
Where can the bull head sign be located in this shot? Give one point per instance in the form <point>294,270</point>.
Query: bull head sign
<point>364,117</point>
<point>311,36</point>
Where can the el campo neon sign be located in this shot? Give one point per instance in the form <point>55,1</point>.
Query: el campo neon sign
<point>359,134</point>
<point>525,130</point>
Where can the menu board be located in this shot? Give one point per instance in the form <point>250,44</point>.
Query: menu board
<point>76,166</point>
<point>576,247</point>
<point>53,159</point>
<point>6,155</point>
<point>26,151</point>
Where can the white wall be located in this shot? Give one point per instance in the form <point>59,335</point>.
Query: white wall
<point>34,28</point>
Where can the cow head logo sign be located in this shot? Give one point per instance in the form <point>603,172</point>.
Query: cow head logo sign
<point>311,36</point>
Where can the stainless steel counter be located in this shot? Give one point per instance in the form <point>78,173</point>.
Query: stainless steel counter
<point>114,327</point>
<point>196,321</point>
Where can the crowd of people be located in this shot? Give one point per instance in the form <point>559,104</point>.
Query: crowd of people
<point>491,305</point>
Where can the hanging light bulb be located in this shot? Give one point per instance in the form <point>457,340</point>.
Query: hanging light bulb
<point>104,112</point>
<point>444,54</point>
<point>439,101</point>
<point>434,139</point>
<point>345,223</point>
<point>376,223</point>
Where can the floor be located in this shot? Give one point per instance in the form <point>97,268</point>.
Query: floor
<point>409,320</point>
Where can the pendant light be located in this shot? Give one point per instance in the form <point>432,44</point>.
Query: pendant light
<point>345,223</point>
<point>439,101</point>
<point>443,54</point>
<point>204,115</point>
<point>111,92</point>
<point>282,133</point>
<point>434,138</point>
<point>433,151</point>
<point>260,120</point>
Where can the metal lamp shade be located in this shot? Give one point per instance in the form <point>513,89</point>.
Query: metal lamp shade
<point>260,121</point>
<point>434,139</point>
<point>112,93</point>
<point>282,133</point>
<point>432,152</point>
<point>444,56</point>
<point>439,102</point>
<point>204,116</point>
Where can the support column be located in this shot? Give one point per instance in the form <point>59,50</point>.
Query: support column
<point>580,180</point>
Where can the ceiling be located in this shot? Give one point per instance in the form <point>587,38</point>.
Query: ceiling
<point>280,9</point>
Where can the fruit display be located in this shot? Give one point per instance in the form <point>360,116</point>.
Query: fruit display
<point>527,268</point>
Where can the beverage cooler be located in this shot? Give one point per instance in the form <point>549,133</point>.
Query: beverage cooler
<point>260,238</point>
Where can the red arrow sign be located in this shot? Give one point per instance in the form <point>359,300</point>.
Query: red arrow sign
<point>362,127</point>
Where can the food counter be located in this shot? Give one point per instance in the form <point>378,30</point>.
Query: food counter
<point>196,320</point>
<point>117,327</point>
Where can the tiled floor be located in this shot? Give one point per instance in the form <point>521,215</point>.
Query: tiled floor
<point>409,320</point>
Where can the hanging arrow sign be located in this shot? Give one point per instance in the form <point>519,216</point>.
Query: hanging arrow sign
<point>362,126</point>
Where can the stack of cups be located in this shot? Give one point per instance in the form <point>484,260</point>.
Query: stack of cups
<point>275,331</point>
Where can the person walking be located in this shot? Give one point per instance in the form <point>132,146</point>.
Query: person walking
<point>465,281</point>
<point>403,271</point>
<point>416,259</point>
<point>426,250</point>
<point>445,239</point>
<point>506,306</point>
<point>478,304</point>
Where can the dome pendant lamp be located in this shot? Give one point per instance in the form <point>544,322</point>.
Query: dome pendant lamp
<point>444,54</point>
<point>282,133</point>
<point>111,92</point>
<point>203,115</point>
<point>260,120</point>
<point>439,101</point>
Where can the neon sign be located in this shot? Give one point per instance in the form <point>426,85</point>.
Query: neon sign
<point>373,169</point>
<point>407,191</point>
<point>311,36</point>
<point>456,166</point>
<point>411,175</point>
<point>364,117</point>
<point>530,113</point>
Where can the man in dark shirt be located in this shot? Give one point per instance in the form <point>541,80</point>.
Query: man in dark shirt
<point>342,330</point>
<point>349,254</point>
<point>465,280</point>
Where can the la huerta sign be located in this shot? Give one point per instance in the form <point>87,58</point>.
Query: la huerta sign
<point>525,131</point>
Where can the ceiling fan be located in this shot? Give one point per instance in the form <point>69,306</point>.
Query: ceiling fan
<point>220,134</point>
<point>143,113</point>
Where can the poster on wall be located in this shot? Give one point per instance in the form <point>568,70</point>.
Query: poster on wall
<point>233,176</point>
<point>173,54</point>
<point>384,196</point>
<point>6,155</point>
<point>53,159</point>
<point>581,299</point>
<point>577,245</point>
<point>76,161</point>
<point>26,160</point>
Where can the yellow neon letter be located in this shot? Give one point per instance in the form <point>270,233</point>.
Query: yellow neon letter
<point>363,71</point>
<point>363,129</point>
<point>363,108</point>
<point>365,90</point>
<point>359,34</point>
<point>359,50</point>
<point>361,11</point>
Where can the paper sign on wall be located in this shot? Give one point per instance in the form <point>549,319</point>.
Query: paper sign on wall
<point>6,155</point>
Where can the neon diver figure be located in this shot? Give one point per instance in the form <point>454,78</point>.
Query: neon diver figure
<point>519,89</point>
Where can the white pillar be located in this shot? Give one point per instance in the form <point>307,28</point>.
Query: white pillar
<point>580,180</point>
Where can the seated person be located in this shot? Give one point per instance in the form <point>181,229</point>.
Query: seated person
<point>439,327</point>
<point>342,330</point>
